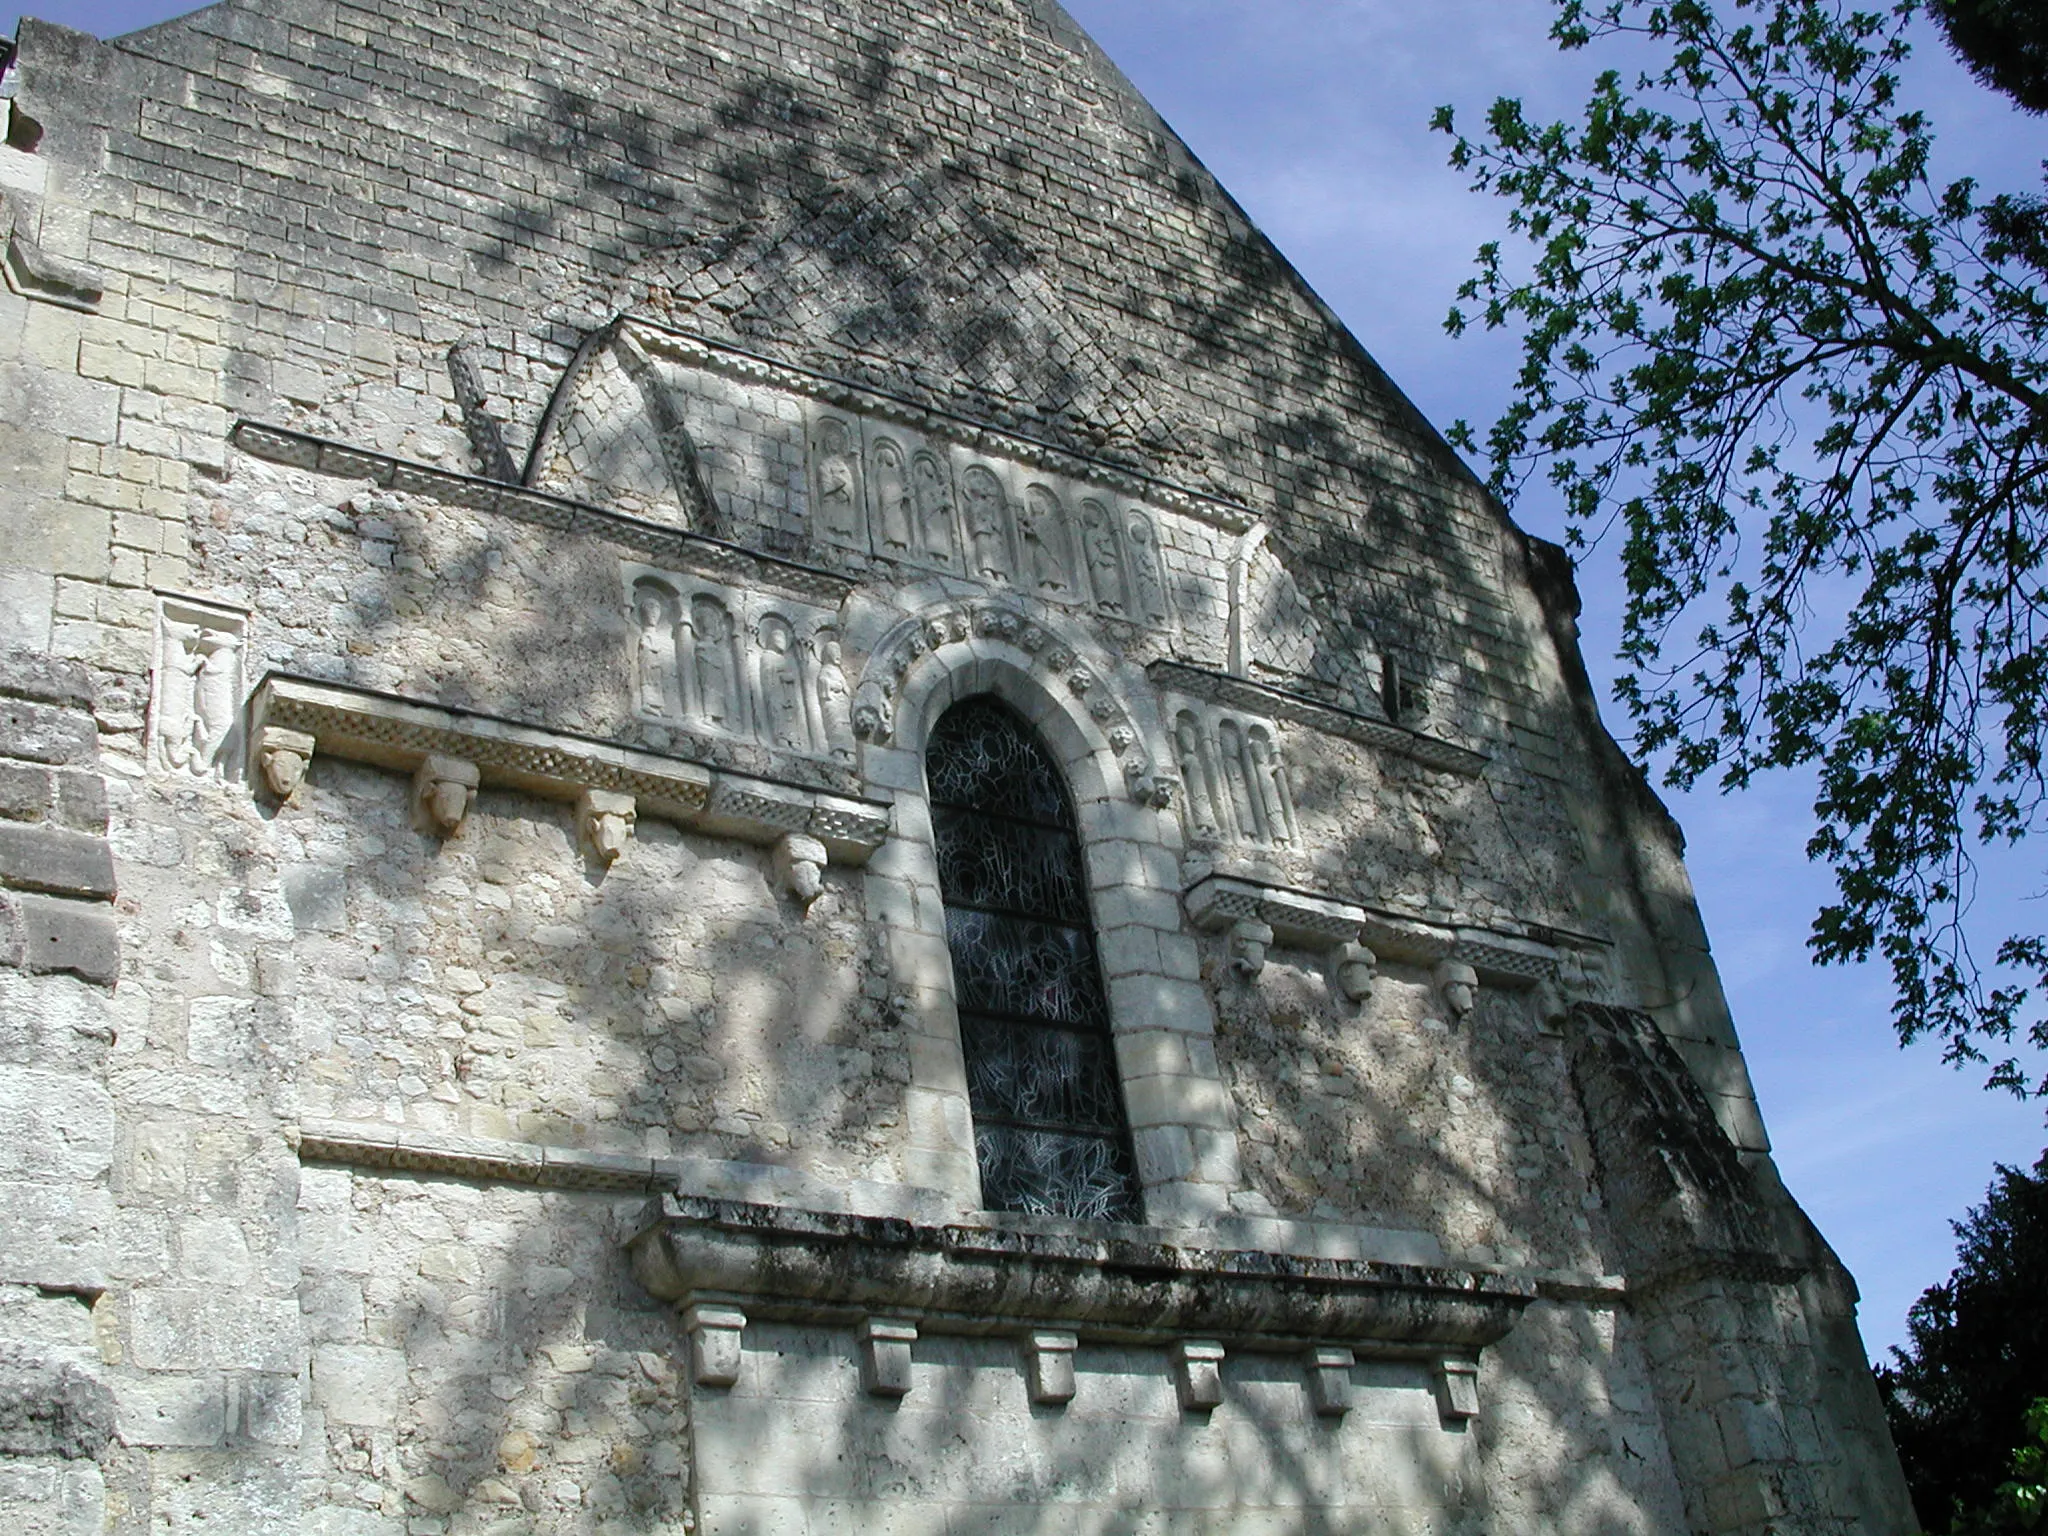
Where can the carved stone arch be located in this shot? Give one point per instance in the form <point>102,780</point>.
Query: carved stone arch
<point>1055,675</point>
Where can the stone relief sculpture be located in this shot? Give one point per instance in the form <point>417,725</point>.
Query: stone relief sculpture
<point>658,679</point>
<point>715,666</point>
<point>889,483</point>
<point>1236,777</point>
<point>781,686</point>
<point>1043,524</point>
<point>837,514</point>
<point>1105,556</point>
<point>987,532</point>
<point>835,699</point>
<point>932,497</point>
<point>197,685</point>
<point>1148,577</point>
<point>721,662</point>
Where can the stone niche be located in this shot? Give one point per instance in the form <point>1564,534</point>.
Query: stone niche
<point>855,1373</point>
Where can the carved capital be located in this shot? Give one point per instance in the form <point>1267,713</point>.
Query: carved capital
<point>443,790</point>
<point>282,757</point>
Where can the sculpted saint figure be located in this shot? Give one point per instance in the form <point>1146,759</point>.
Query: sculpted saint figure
<point>985,531</point>
<point>934,503</point>
<point>782,688</point>
<point>1194,772</point>
<point>1105,555</point>
<point>1044,526</point>
<point>835,700</point>
<point>891,484</point>
<point>657,652</point>
<point>838,483</point>
<point>1147,582</point>
<point>717,676</point>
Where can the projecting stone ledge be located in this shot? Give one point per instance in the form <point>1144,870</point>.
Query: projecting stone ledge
<point>293,718</point>
<point>819,1267</point>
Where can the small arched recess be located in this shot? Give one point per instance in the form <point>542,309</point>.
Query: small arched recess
<point>1160,1019</point>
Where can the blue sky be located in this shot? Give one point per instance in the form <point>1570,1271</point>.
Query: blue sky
<point>1313,113</point>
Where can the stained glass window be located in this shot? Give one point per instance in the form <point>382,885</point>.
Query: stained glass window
<point>1049,1125</point>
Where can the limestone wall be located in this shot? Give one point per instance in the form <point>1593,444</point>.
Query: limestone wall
<point>440,889</point>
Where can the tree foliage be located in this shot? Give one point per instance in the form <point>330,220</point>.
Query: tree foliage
<point>1809,388</point>
<point>2005,43</point>
<point>1968,1386</point>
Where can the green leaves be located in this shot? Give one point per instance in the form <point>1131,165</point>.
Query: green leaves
<point>1800,381</point>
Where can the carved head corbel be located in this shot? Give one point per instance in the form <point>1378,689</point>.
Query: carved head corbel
<point>604,822</point>
<point>800,867</point>
<point>1249,941</point>
<point>443,790</point>
<point>1356,968</point>
<point>1460,986</point>
<point>282,757</point>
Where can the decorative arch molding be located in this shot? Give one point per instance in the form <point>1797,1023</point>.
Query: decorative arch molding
<point>911,675</point>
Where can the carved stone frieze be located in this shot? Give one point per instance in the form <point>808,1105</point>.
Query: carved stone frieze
<point>727,662</point>
<point>1236,789</point>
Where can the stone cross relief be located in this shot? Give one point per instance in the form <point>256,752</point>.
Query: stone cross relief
<point>196,687</point>
<point>744,665</point>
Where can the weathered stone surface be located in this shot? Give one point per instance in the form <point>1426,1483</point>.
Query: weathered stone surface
<point>76,936</point>
<point>50,1407</point>
<point>55,860</point>
<point>45,733</point>
<point>45,679</point>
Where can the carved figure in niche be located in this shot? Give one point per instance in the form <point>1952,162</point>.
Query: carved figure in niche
<point>933,500</point>
<point>657,649</point>
<point>1148,579</point>
<point>196,694</point>
<point>1105,555</point>
<point>782,686</point>
<point>986,534</point>
<point>835,699</point>
<point>1244,802</point>
<point>1269,779</point>
<point>839,514</point>
<point>890,483</point>
<point>717,667</point>
<point>1194,772</point>
<point>1044,526</point>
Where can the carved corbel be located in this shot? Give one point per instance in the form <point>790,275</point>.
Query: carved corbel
<point>1049,1367</point>
<point>443,790</point>
<point>885,1356</point>
<point>1552,1007</point>
<point>715,1337</point>
<point>1329,1381</point>
<point>1198,1374</point>
<point>282,757</point>
<point>604,822</point>
<point>1459,984</point>
<point>874,718</point>
<point>800,867</point>
<point>1457,1390</point>
<point>1355,968</point>
<point>1249,941</point>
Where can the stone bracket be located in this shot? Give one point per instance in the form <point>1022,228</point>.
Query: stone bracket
<point>396,733</point>
<point>885,1356</point>
<point>1457,1390</point>
<point>1198,1374</point>
<point>1329,1381</point>
<point>1049,1366</point>
<point>715,1337</point>
<point>35,274</point>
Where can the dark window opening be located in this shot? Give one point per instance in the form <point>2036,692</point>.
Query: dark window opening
<point>1049,1125</point>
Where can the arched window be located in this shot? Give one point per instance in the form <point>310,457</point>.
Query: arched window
<point>1049,1124</point>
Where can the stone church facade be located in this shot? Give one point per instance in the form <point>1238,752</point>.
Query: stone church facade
<point>751,787</point>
